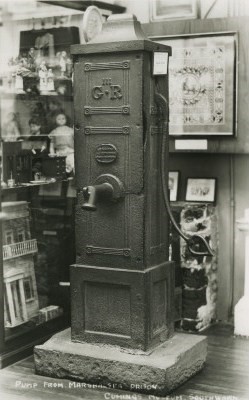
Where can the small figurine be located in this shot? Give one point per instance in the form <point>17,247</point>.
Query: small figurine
<point>50,82</point>
<point>35,130</point>
<point>63,63</point>
<point>32,59</point>
<point>11,130</point>
<point>22,70</point>
<point>54,106</point>
<point>19,83</point>
<point>11,181</point>
<point>35,127</point>
<point>43,73</point>
<point>61,89</point>
<point>69,67</point>
<point>62,141</point>
<point>11,75</point>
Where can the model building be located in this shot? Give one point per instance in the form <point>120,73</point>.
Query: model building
<point>21,298</point>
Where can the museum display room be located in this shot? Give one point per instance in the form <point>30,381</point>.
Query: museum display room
<point>124,263</point>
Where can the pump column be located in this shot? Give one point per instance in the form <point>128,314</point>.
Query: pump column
<point>122,285</point>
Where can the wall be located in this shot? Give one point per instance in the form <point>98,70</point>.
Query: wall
<point>227,159</point>
<point>206,8</point>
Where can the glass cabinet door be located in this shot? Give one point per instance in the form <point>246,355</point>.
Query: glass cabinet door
<point>37,183</point>
<point>37,202</point>
<point>37,247</point>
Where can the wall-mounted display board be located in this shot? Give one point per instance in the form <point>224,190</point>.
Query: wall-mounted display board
<point>37,188</point>
<point>202,84</point>
<point>238,140</point>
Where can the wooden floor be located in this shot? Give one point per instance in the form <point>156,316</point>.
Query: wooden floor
<point>225,377</point>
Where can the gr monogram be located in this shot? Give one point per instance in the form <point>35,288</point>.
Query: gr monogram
<point>113,92</point>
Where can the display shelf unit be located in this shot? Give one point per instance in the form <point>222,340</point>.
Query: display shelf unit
<point>27,96</point>
<point>38,246</point>
<point>37,210</point>
<point>82,5</point>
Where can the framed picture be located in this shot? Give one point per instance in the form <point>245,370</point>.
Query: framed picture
<point>173,184</point>
<point>171,9</point>
<point>202,84</point>
<point>201,189</point>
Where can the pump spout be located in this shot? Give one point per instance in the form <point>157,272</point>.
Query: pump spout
<point>92,194</point>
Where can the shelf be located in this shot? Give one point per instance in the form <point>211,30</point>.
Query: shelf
<point>38,239</point>
<point>27,96</point>
<point>32,185</point>
<point>81,5</point>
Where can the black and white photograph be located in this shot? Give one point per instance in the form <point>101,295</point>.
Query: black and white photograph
<point>173,184</point>
<point>201,189</point>
<point>124,218</point>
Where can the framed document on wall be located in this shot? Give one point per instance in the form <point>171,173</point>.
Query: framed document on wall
<point>202,84</point>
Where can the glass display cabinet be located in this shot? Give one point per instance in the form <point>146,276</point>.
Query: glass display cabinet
<point>37,194</point>
<point>37,171</point>
<point>37,202</point>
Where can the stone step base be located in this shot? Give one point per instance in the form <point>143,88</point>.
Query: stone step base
<point>157,372</point>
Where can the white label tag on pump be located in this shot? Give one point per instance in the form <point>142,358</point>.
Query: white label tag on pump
<point>160,66</point>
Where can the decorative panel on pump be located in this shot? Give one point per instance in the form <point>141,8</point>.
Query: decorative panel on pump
<point>111,134</point>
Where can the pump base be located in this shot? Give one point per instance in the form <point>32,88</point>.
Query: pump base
<point>156,372</point>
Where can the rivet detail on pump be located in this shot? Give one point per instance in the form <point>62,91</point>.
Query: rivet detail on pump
<point>108,65</point>
<point>107,110</point>
<point>108,250</point>
<point>99,130</point>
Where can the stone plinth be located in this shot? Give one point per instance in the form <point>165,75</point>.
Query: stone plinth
<point>157,372</point>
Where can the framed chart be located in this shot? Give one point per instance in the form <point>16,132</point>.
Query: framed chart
<point>202,84</point>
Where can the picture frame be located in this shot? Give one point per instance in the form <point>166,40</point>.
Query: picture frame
<point>201,190</point>
<point>202,84</point>
<point>173,184</point>
<point>169,10</point>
